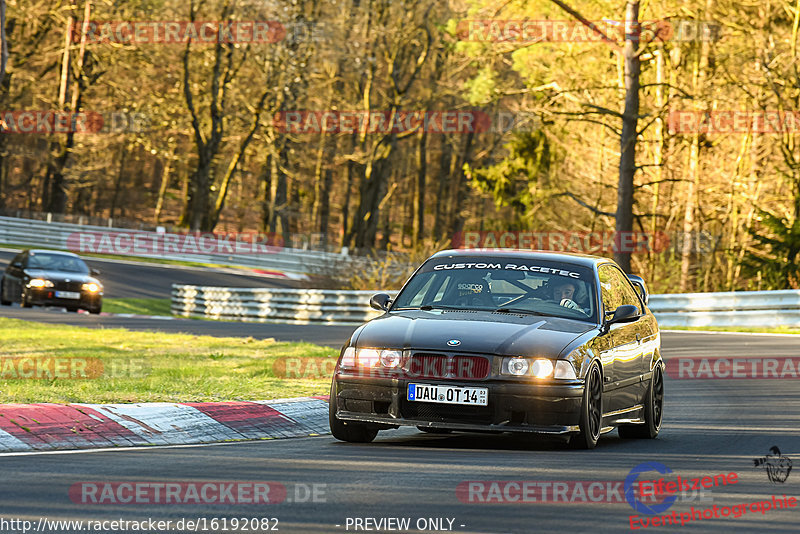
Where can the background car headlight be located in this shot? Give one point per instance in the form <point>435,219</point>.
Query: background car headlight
<point>91,287</point>
<point>517,366</point>
<point>40,282</point>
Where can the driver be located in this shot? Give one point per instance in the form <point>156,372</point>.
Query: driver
<point>563,292</point>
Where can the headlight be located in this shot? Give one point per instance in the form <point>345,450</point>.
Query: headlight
<point>91,287</point>
<point>517,366</point>
<point>391,358</point>
<point>40,282</point>
<point>387,358</point>
<point>538,368</point>
<point>542,368</point>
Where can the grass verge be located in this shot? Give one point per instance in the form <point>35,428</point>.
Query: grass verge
<point>138,306</point>
<point>148,366</point>
<point>755,330</point>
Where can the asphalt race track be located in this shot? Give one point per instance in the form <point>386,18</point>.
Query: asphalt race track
<point>711,427</point>
<point>131,279</point>
<point>138,280</point>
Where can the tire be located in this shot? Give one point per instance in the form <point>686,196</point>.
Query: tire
<point>591,419</point>
<point>428,430</point>
<point>653,410</point>
<point>23,300</point>
<point>72,309</point>
<point>350,432</point>
<point>95,311</point>
<point>3,300</point>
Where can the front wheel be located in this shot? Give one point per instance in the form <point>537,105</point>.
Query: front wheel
<point>591,418</point>
<point>23,300</point>
<point>653,410</point>
<point>347,431</point>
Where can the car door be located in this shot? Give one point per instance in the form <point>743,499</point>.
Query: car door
<point>623,348</point>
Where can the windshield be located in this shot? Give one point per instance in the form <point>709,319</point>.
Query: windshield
<point>556,289</point>
<point>56,262</point>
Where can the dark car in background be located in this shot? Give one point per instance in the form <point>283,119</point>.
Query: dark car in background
<point>51,278</point>
<point>508,341</point>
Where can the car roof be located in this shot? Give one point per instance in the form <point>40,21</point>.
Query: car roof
<point>58,252</point>
<point>537,255</point>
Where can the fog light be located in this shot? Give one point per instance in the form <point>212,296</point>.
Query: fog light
<point>542,368</point>
<point>518,366</point>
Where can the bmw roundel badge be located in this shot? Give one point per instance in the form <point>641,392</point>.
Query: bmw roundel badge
<point>454,342</point>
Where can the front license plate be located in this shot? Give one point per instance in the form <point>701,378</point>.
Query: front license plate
<point>448,394</point>
<point>67,295</point>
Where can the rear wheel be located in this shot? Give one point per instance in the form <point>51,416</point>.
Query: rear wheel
<point>347,431</point>
<point>653,410</point>
<point>591,418</point>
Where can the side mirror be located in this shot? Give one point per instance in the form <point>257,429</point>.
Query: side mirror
<point>627,313</point>
<point>641,287</point>
<point>380,301</point>
<point>17,264</point>
<point>94,272</point>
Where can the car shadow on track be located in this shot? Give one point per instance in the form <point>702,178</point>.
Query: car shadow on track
<point>492,442</point>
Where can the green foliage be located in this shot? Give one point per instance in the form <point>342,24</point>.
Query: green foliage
<point>521,179</point>
<point>777,264</point>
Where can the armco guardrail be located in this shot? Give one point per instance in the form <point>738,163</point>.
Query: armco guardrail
<point>304,306</point>
<point>287,306</point>
<point>35,233</point>
<point>740,308</point>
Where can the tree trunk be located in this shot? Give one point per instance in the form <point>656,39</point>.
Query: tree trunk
<point>422,171</point>
<point>630,119</point>
<point>699,77</point>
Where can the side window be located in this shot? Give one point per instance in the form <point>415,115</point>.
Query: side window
<point>615,289</point>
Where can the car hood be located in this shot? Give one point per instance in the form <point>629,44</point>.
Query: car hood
<point>60,276</point>
<point>480,332</point>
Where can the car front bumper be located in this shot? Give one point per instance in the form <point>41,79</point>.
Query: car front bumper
<point>512,407</point>
<point>46,297</point>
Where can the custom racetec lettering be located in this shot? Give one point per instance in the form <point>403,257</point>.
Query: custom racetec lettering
<point>509,267</point>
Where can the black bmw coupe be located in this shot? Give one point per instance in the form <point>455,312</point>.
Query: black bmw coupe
<point>508,341</point>
<point>51,278</point>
